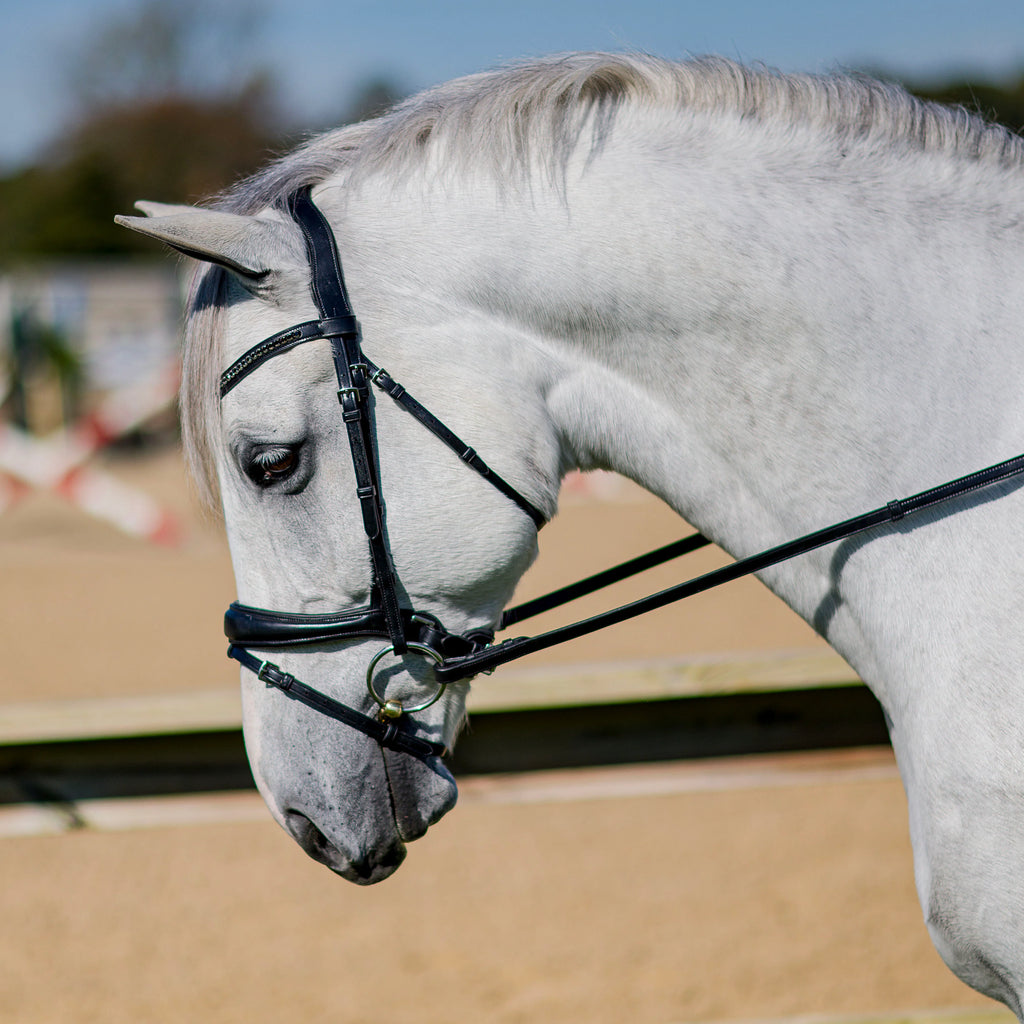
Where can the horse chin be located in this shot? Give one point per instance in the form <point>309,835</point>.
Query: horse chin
<point>420,793</point>
<point>374,866</point>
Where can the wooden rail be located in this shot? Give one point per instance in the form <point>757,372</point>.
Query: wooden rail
<point>523,690</point>
<point>519,720</point>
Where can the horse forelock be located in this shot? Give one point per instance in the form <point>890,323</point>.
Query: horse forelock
<point>199,403</point>
<point>537,114</point>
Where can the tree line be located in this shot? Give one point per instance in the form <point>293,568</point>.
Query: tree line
<point>167,104</point>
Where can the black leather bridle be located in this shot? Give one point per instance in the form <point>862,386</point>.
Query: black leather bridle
<point>456,656</point>
<point>384,617</point>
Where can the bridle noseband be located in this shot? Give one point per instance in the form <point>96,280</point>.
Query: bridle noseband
<point>457,656</point>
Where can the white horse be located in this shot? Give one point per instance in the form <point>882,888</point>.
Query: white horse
<point>774,301</point>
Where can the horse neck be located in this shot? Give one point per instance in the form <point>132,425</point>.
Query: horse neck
<point>754,339</point>
<point>768,335</point>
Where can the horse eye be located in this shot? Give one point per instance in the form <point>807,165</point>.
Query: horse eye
<point>271,465</point>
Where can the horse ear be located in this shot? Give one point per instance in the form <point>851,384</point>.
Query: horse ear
<point>250,247</point>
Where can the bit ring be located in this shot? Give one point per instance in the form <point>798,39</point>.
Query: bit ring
<point>396,708</point>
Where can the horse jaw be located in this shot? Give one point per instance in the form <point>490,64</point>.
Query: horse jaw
<point>348,803</point>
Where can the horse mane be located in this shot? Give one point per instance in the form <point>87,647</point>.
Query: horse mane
<point>543,109</point>
<point>544,104</point>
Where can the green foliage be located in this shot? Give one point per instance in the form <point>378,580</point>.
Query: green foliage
<point>1002,103</point>
<point>166,106</point>
<point>175,148</point>
<point>39,351</point>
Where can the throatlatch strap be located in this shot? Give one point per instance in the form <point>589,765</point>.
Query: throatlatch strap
<point>469,456</point>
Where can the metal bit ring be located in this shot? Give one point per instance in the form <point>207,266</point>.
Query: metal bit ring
<point>396,708</point>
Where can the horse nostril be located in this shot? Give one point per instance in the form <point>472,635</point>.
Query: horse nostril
<point>310,838</point>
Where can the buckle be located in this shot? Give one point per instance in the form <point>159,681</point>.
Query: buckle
<point>271,675</point>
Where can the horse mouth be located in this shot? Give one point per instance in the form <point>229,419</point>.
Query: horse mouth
<point>418,795</point>
<point>369,869</point>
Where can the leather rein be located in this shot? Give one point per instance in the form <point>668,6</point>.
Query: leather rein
<point>457,656</point>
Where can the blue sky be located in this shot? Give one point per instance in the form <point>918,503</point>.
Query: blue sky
<point>320,50</point>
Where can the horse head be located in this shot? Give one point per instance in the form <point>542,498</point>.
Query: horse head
<point>281,450</point>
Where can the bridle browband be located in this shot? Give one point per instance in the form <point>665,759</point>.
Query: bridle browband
<point>457,656</point>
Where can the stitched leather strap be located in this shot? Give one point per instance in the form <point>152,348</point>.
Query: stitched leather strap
<point>246,626</point>
<point>311,330</point>
<point>387,734</point>
<point>326,279</point>
<point>331,297</point>
<point>391,387</point>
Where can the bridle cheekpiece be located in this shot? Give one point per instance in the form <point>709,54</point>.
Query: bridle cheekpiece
<point>405,630</point>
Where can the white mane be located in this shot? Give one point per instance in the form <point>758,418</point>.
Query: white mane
<point>502,116</point>
<point>546,108</point>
